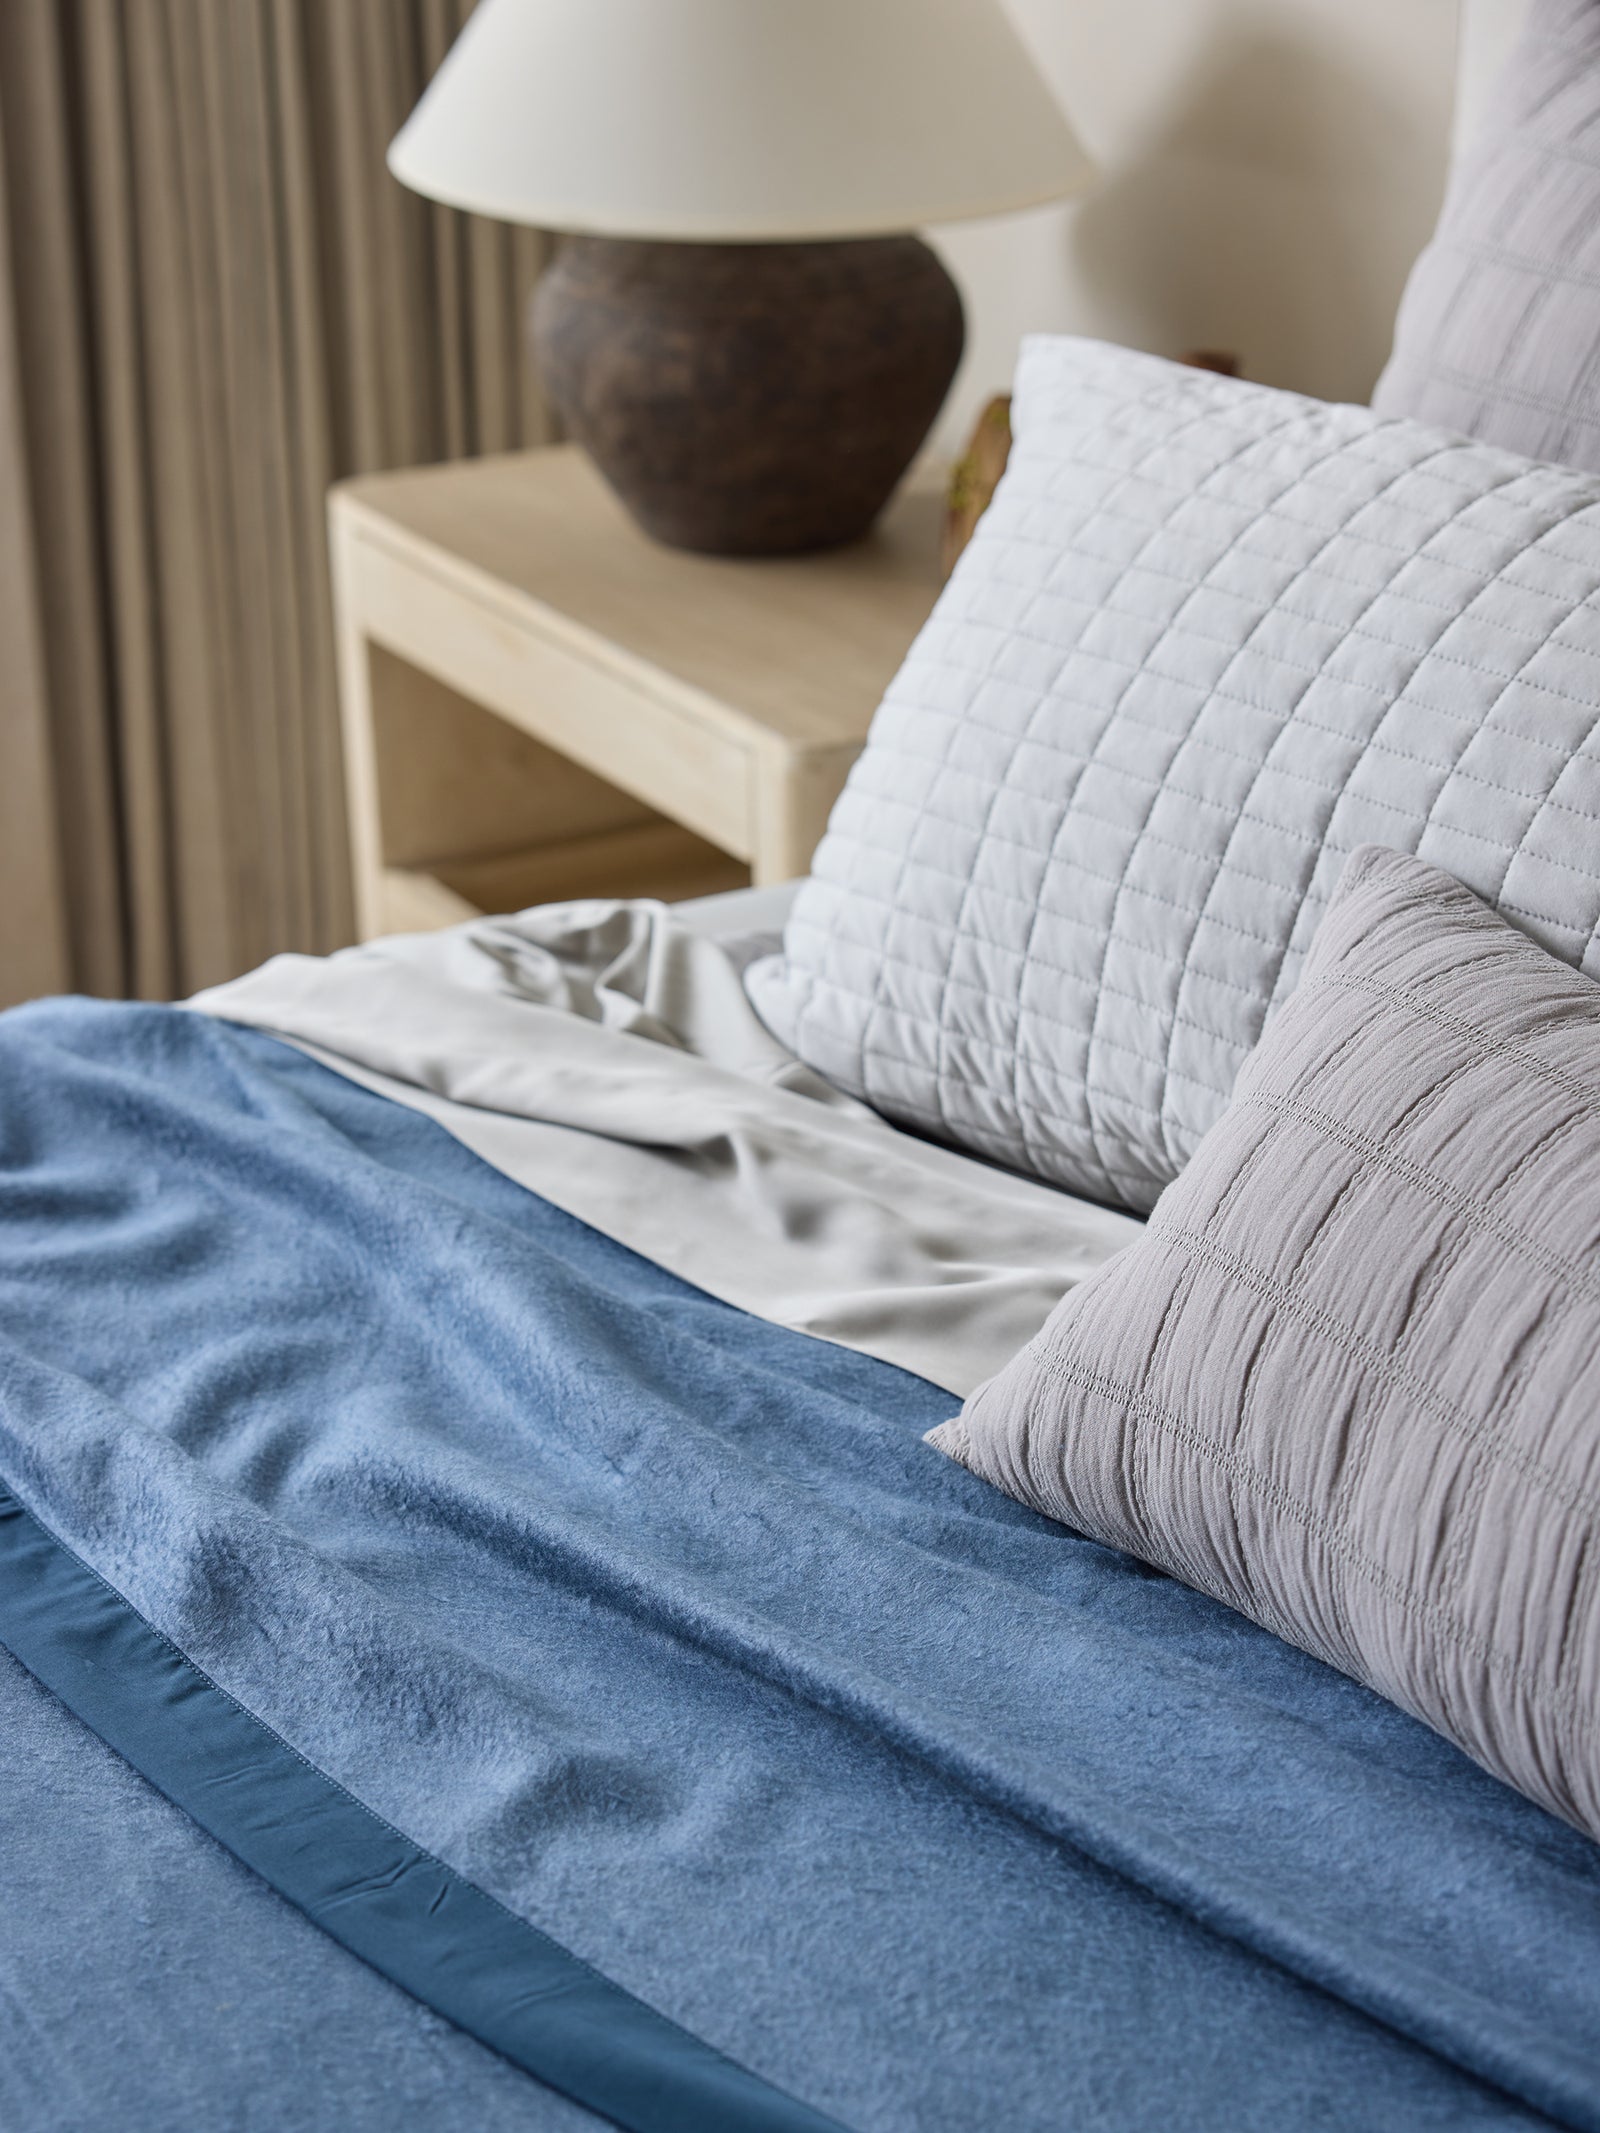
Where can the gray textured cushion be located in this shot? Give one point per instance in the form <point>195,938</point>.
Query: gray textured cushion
<point>1208,638</point>
<point>1499,328</point>
<point>1349,1379</point>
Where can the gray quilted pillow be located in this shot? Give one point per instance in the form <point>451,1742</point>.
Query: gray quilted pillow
<point>1499,328</point>
<point>1208,639</point>
<point>1348,1381</point>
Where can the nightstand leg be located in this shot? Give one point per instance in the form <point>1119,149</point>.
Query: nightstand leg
<point>360,751</point>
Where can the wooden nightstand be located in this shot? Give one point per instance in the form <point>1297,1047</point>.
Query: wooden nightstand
<point>539,702</point>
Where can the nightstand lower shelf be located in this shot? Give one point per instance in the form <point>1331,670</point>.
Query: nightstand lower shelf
<point>650,859</point>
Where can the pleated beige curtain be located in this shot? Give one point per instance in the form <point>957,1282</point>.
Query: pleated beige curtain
<point>213,302</point>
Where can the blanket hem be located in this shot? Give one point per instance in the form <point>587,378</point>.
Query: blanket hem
<point>365,1883</point>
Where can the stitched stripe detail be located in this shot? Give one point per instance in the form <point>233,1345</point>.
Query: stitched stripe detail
<point>1067,1369</point>
<point>1586,1093</point>
<point>1379,1155</point>
<point>1471,1429</point>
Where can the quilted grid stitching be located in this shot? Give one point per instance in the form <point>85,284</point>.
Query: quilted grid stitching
<point>1273,974</point>
<point>1499,328</point>
<point>1437,657</point>
<point>1281,606</point>
<point>1017,1111</point>
<point>1527,396</point>
<point>1215,476</point>
<point>889,801</point>
<point>1266,552</point>
<point>1520,262</point>
<point>1545,797</point>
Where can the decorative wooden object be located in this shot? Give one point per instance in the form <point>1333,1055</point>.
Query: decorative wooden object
<point>540,703</point>
<point>974,478</point>
<point>748,399</point>
<point>1218,359</point>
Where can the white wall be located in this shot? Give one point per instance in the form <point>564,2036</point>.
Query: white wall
<point>1268,171</point>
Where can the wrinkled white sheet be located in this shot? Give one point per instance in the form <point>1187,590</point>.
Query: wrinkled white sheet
<point>604,1055</point>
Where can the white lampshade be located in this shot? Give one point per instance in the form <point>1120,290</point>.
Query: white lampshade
<point>738,120</point>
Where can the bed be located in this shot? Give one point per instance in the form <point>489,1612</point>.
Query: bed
<point>485,1641</point>
<point>456,1556</point>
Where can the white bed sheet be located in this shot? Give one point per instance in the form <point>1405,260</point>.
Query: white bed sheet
<point>604,1055</point>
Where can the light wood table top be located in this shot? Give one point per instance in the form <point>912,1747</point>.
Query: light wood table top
<point>686,696</point>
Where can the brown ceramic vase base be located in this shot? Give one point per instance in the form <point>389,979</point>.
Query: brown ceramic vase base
<point>748,399</point>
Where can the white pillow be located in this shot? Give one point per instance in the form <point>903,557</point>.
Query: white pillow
<point>1207,640</point>
<point>1499,327</point>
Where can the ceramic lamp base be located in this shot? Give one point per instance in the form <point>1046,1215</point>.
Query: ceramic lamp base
<point>748,399</point>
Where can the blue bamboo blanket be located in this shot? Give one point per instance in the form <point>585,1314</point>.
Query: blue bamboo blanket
<point>622,1677</point>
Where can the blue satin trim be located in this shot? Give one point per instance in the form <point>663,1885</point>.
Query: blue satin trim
<point>382,1897</point>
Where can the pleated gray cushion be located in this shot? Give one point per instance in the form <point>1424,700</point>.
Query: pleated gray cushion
<point>1499,328</point>
<point>1349,1379</point>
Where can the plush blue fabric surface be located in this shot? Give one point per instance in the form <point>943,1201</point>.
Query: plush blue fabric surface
<point>148,1980</point>
<point>370,1887</point>
<point>663,1627</point>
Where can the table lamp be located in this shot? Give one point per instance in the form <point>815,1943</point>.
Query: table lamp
<point>739,325</point>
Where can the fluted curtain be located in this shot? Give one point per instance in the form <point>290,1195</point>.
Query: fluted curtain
<point>214,301</point>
